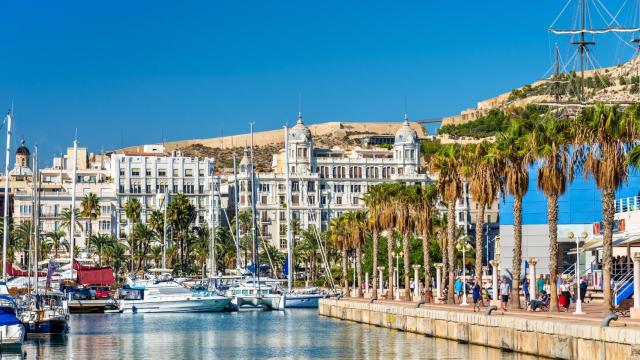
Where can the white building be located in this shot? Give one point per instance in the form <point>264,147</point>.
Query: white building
<point>324,182</point>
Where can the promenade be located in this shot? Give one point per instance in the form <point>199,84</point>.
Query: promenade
<point>554,335</point>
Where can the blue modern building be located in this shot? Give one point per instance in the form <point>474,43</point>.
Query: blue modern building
<point>579,208</point>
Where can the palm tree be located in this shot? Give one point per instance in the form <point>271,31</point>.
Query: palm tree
<point>181,214</point>
<point>339,239</point>
<point>424,216</point>
<point>513,149</point>
<point>115,255</point>
<point>56,239</point>
<point>604,137</point>
<point>550,140</point>
<point>405,203</point>
<point>132,211</point>
<point>90,209</point>
<point>387,222</point>
<point>155,253</point>
<point>156,223</point>
<point>483,169</point>
<point>374,198</point>
<point>245,224</point>
<point>356,225</point>
<point>66,221</point>
<point>447,164</point>
<point>99,242</point>
<point>143,236</point>
<point>21,235</point>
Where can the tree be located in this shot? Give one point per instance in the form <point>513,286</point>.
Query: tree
<point>483,169</point>
<point>424,214</point>
<point>90,209</point>
<point>515,152</point>
<point>604,137</point>
<point>66,221</point>
<point>245,225</point>
<point>156,223</point>
<point>99,242</point>
<point>56,240</point>
<point>374,199</point>
<point>550,141</point>
<point>355,222</point>
<point>181,214</point>
<point>338,238</point>
<point>132,210</point>
<point>143,235</point>
<point>115,255</point>
<point>405,202</point>
<point>447,164</point>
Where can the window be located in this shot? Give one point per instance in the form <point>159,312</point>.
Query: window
<point>461,216</point>
<point>264,187</point>
<point>136,188</point>
<point>201,189</point>
<point>188,172</point>
<point>283,243</point>
<point>265,231</point>
<point>283,229</point>
<point>282,200</point>
<point>147,188</point>
<point>162,173</point>
<point>263,200</point>
<point>175,188</point>
<point>148,172</point>
<point>135,172</point>
<point>283,216</point>
<point>311,186</point>
<point>324,216</point>
<point>188,188</point>
<point>122,171</point>
<point>281,187</point>
<point>488,218</point>
<point>312,199</point>
<point>338,200</point>
<point>355,201</point>
<point>323,200</point>
<point>295,186</point>
<point>104,225</point>
<point>25,209</point>
<point>338,188</point>
<point>162,188</point>
<point>355,188</point>
<point>295,199</point>
<point>201,172</point>
<point>176,173</point>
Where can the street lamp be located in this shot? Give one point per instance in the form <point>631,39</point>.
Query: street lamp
<point>583,236</point>
<point>397,274</point>
<point>464,246</point>
<point>353,267</point>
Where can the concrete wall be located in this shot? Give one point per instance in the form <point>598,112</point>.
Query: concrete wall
<point>539,337</point>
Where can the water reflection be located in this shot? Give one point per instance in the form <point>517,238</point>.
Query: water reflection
<point>251,334</point>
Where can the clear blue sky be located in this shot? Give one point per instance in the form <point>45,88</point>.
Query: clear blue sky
<point>124,72</point>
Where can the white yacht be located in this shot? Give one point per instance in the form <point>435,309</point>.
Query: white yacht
<point>12,332</point>
<point>304,298</point>
<point>169,297</point>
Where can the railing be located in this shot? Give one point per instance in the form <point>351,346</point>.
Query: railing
<point>628,204</point>
<point>624,288</point>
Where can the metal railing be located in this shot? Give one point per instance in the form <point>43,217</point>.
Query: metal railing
<point>628,204</point>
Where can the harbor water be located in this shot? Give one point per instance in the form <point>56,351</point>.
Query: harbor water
<point>293,334</point>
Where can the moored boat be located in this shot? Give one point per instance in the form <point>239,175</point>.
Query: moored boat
<point>46,314</point>
<point>169,297</point>
<point>12,331</point>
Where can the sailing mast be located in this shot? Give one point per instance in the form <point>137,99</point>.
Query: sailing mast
<point>235,200</point>
<point>253,217</point>
<point>164,231</point>
<point>212,252</point>
<point>72,240</point>
<point>6,199</point>
<point>36,215</point>
<point>288,213</point>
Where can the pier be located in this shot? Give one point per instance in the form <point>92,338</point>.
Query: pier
<point>549,335</point>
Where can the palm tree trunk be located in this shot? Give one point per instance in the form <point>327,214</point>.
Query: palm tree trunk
<point>517,253</point>
<point>345,277</point>
<point>479,228</point>
<point>390,263</point>
<point>374,287</point>
<point>405,255</point>
<point>451,228</point>
<point>359,270</point>
<point>608,212</point>
<point>426,256</point>
<point>552,219</point>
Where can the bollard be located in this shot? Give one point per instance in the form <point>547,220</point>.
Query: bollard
<point>419,303</point>
<point>372,300</point>
<point>490,309</point>
<point>607,319</point>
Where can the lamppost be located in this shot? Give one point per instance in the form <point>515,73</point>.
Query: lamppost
<point>353,267</point>
<point>583,236</point>
<point>397,275</point>
<point>464,246</point>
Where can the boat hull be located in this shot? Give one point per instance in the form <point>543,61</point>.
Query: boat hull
<point>12,335</point>
<point>302,300</point>
<point>174,305</point>
<point>90,306</point>
<point>47,327</point>
<point>268,302</point>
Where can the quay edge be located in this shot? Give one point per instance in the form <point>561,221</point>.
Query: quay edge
<point>552,338</point>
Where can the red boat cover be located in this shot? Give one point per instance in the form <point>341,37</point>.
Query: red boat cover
<point>94,275</point>
<point>16,271</point>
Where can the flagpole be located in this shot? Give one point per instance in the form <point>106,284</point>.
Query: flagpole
<point>72,240</point>
<point>6,200</point>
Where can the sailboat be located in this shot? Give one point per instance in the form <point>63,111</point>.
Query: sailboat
<point>47,311</point>
<point>301,298</point>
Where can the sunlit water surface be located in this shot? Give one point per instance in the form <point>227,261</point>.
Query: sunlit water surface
<point>294,334</point>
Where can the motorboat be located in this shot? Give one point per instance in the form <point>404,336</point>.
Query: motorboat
<point>304,298</point>
<point>91,300</point>
<point>168,297</point>
<point>12,331</point>
<point>250,295</point>
<point>45,314</point>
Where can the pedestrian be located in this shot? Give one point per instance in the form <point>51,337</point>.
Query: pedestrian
<point>476,296</point>
<point>540,284</point>
<point>583,288</point>
<point>547,287</point>
<point>504,293</point>
<point>565,295</point>
<point>457,286</point>
<point>525,290</point>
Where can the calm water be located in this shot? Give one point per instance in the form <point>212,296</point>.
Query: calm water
<point>293,334</point>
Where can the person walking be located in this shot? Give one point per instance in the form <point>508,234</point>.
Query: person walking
<point>505,288</point>
<point>583,288</point>
<point>477,299</point>
<point>525,290</point>
<point>457,287</point>
<point>565,295</point>
<point>540,284</point>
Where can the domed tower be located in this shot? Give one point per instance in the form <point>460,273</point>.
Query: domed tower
<point>300,148</point>
<point>22,155</point>
<point>406,149</point>
<point>245,163</point>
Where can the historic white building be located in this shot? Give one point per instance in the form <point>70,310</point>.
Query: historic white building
<point>152,176</point>
<point>324,182</point>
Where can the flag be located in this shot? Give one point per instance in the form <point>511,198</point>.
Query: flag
<point>50,270</point>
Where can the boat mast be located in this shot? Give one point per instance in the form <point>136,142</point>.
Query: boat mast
<point>36,215</point>
<point>6,199</point>
<point>288,211</point>
<point>72,240</point>
<point>557,66</point>
<point>253,216</point>
<point>212,252</point>
<point>164,231</point>
<point>235,200</point>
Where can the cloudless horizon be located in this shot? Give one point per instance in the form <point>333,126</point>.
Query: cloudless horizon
<point>132,72</point>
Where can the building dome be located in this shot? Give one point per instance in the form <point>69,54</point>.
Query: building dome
<point>22,150</point>
<point>406,135</point>
<point>300,132</point>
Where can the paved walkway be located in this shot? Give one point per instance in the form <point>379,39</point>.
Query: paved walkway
<point>593,311</point>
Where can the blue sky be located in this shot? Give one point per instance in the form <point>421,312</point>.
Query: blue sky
<point>125,72</point>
